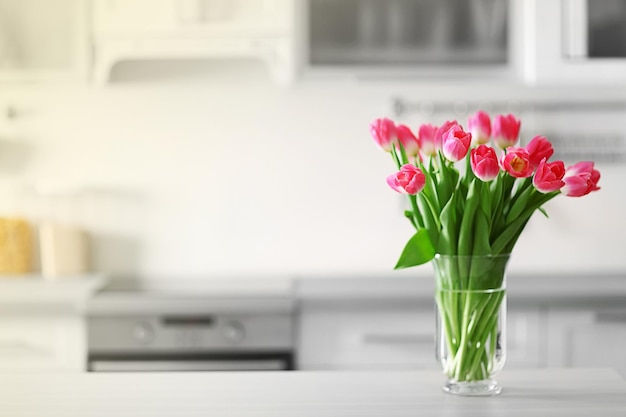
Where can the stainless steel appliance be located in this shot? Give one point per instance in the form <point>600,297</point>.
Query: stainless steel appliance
<point>133,329</point>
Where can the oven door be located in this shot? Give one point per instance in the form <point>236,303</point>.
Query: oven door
<point>258,341</point>
<point>279,361</point>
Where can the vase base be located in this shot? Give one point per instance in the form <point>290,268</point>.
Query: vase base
<point>487,387</point>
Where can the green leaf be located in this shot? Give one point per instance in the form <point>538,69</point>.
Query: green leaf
<point>509,234</point>
<point>430,222</point>
<point>418,250</point>
<point>467,221</point>
<point>481,234</point>
<point>544,212</point>
<point>449,228</point>
<point>409,215</point>
<point>519,205</point>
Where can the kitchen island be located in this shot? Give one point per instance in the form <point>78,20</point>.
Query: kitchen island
<point>548,392</point>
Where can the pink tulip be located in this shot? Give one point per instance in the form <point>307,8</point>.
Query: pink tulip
<point>539,148</point>
<point>549,176</point>
<point>484,162</point>
<point>409,180</point>
<point>580,179</point>
<point>456,143</point>
<point>426,140</point>
<point>516,162</point>
<point>408,140</point>
<point>479,125</point>
<point>441,132</point>
<point>505,130</point>
<point>384,133</point>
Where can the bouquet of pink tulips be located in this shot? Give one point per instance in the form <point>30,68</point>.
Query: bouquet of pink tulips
<point>469,203</point>
<point>470,198</point>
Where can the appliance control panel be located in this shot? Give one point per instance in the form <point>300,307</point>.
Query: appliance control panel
<point>206,333</point>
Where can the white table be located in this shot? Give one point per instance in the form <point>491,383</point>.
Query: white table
<point>598,392</point>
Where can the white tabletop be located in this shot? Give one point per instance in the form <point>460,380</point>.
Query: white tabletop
<point>599,392</point>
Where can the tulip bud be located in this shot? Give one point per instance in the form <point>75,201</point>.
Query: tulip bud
<point>505,130</point>
<point>408,140</point>
<point>384,133</point>
<point>479,125</point>
<point>580,179</point>
<point>539,148</point>
<point>484,162</point>
<point>456,144</point>
<point>409,180</point>
<point>441,132</point>
<point>517,163</point>
<point>426,140</point>
<point>549,176</point>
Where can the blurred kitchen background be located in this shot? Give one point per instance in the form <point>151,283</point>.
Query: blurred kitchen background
<point>172,141</point>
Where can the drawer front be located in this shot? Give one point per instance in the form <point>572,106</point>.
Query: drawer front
<point>30,344</point>
<point>367,340</point>
<point>392,338</point>
<point>587,338</point>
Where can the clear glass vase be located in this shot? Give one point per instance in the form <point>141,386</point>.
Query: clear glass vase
<point>470,293</point>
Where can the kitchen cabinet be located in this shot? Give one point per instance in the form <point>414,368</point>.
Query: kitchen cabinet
<point>42,326</point>
<point>192,29</point>
<point>587,338</point>
<point>571,320</point>
<point>43,41</point>
<point>577,41</point>
<point>395,335</point>
<point>36,343</point>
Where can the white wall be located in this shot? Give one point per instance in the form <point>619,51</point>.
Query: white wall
<point>206,176</point>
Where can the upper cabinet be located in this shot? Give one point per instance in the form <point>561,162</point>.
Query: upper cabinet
<point>172,29</point>
<point>413,37</point>
<point>581,41</point>
<point>42,40</point>
<point>532,41</point>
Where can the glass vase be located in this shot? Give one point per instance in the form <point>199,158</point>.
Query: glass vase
<point>470,293</point>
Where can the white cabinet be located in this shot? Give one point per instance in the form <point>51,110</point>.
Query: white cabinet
<point>575,41</point>
<point>365,337</point>
<point>392,335</point>
<point>42,324</point>
<point>192,29</point>
<point>42,343</point>
<point>42,40</point>
<point>587,338</point>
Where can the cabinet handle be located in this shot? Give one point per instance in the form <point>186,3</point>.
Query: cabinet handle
<point>611,317</point>
<point>19,345</point>
<point>397,339</point>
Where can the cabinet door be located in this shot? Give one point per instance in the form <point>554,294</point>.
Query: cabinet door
<point>587,339</point>
<point>388,337</point>
<point>577,41</point>
<point>366,338</point>
<point>30,343</point>
<point>139,18</point>
<point>42,40</point>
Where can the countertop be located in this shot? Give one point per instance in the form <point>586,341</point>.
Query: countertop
<point>549,393</point>
<point>28,293</point>
<point>565,288</point>
<point>536,287</point>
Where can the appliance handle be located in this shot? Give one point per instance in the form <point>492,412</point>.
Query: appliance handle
<point>112,365</point>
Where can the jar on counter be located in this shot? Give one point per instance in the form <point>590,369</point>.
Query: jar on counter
<point>62,239</point>
<point>16,246</point>
<point>62,250</point>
